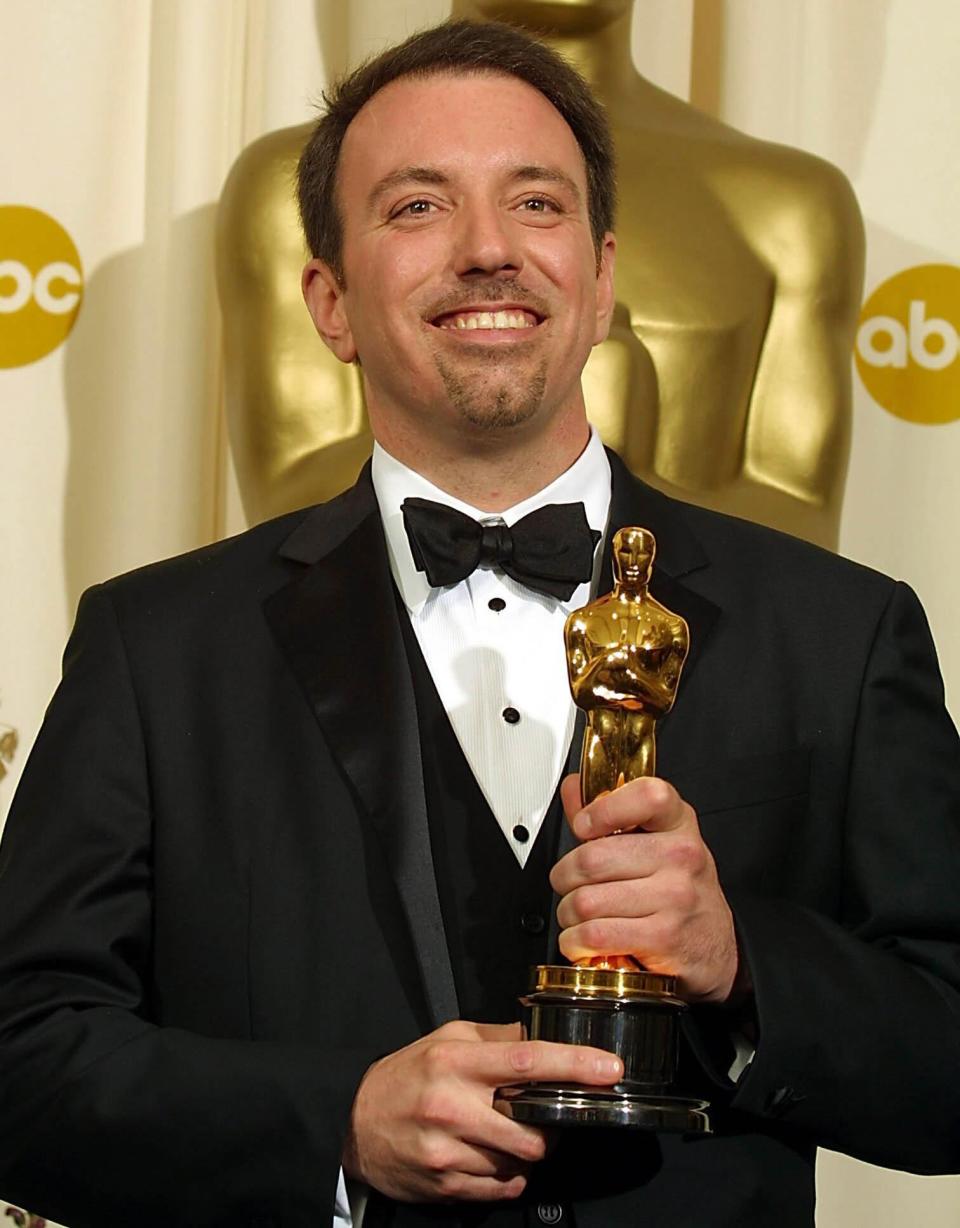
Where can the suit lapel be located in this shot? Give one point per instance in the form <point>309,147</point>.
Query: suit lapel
<point>679,554</point>
<point>336,623</point>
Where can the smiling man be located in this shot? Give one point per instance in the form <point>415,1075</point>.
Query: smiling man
<point>292,832</point>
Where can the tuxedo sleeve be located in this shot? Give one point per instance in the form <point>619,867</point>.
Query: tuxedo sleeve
<point>107,1117</point>
<point>859,1015</point>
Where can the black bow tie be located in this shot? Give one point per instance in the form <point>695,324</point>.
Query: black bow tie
<point>550,551</point>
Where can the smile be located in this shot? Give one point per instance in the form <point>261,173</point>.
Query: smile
<point>511,318</point>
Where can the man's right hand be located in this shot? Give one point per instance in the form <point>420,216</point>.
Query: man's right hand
<point>423,1126</point>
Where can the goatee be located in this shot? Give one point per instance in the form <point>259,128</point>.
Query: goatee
<point>490,403</point>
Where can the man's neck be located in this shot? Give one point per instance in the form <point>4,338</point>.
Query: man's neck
<point>490,475</point>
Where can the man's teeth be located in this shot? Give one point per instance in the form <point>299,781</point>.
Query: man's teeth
<point>489,319</point>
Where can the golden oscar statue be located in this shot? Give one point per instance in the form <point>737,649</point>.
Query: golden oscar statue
<point>726,376</point>
<point>625,654</point>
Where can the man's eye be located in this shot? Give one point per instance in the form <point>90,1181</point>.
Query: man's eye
<point>414,208</point>
<point>539,204</point>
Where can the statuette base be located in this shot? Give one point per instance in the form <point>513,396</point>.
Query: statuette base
<point>548,1104</point>
<point>634,1014</point>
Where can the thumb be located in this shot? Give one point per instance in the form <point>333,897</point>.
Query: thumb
<point>570,796</point>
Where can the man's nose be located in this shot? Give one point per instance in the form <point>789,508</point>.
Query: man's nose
<point>487,242</point>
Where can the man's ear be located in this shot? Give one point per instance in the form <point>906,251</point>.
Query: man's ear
<point>606,300</point>
<point>323,294</point>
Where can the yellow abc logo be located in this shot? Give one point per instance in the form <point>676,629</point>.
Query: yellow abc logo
<point>908,345</point>
<point>41,284</point>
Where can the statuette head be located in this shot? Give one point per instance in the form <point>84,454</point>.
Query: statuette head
<point>633,551</point>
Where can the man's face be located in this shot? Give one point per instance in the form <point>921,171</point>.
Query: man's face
<point>471,294</point>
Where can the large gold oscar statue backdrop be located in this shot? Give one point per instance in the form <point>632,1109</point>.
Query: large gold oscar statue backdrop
<point>726,376</point>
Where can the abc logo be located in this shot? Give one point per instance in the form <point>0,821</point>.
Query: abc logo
<point>908,346</point>
<point>41,284</point>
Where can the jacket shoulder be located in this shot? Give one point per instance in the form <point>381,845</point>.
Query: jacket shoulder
<point>246,559</point>
<point>762,564</point>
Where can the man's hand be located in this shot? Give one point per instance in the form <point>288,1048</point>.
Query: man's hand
<point>423,1127</point>
<point>650,891</point>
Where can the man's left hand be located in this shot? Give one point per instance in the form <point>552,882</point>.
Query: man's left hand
<point>650,890</point>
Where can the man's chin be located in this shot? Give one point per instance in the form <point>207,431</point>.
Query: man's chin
<point>490,406</point>
<point>490,419</point>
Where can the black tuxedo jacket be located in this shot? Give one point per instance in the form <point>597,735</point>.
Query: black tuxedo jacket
<point>217,904</point>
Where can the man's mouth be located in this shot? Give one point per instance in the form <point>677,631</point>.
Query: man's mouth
<point>504,318</point>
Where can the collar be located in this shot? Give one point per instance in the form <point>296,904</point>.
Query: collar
<point>587,481</point>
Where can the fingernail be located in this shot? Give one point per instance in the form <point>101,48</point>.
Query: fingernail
<point>609,1066</point>
<point>583,824</point>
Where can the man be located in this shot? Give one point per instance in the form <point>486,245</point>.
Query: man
<point>278,863</point>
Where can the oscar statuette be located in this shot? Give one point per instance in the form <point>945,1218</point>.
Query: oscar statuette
<point>625,653</point>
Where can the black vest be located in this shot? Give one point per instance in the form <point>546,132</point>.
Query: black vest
<point>496,917</point>
<point>496,914</point>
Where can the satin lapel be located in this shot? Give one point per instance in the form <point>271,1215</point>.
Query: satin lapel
<point>336,624</point>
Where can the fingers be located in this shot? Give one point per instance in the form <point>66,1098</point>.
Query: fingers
<point>423,1125</point>
<point>444,1153</point>
<point>648,803</point>
<point>646,940</point>
<point>454,1168</point>
<point>629,858</point>
<point>454,1186</point>
<point>496,1064</point>
<point>641,894</point>
<point>453,1110</point>
<point>490,1131</point>
<point>454,1072</point>
<point>605,861</point>
<point>651,891</point>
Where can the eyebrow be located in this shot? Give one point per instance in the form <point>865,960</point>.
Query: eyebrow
<point>430,175</point>
<point>404,175</point>
<point>547,174</point>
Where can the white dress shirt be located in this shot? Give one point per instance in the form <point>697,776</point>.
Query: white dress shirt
<point>492,647</point>
<point>495,648</point>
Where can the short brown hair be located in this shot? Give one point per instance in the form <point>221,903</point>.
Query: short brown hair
<point>473,47</point>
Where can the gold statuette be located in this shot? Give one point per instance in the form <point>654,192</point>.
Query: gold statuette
<point>625,654</point>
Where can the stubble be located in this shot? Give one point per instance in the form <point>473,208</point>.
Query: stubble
<point>489,400</point>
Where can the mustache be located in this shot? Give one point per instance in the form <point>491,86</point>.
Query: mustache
<point>487,293</point>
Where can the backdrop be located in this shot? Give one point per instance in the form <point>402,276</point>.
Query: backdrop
<point>120,120</point>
